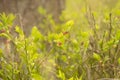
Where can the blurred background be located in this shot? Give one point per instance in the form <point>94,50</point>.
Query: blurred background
<point>32,12</point>
<point>27,11</point>
<point>92,21</point>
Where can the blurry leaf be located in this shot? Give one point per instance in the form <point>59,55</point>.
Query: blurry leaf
<point>61,75</point>
<point>7,20</point>
<point>106,17</point>
<point>1,53</point>
<point>97,27</point>
<point>86,44</point>
<point>36,34</point>
<point>84,34</point>
<point>71,78</point>
<point>11,17</point>
<point>74,41</point>
<point>118,60</point>
<point>81,77</point>
<point>70,23</point>
<point>106,58</point>
<point>58,36</point>
<point>20,32</point>
<point>5,35</point>
<point>3,18</point>
<point>68,26</point>
<point>63,57</point>
<point>96,56</point>
<point>36,77</point>
<point>34,56</point>
<point>42,11</point>
<point>50,37</point>
<point>117,12</point>
<point>118,35</point>
<point>110,43</point>
<point>95,14</point>
<point>1,25</point>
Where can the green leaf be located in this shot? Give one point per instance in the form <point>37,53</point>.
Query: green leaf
<point>118,60</point>
<point>17,29</point>
<point>5,35</point>
<point>20,32</point>
<point>84,34</point>
<point>81,77</point>
<point>61,75</point>
<point>1,53</point>
<point>6,20</point>
<point>42,11</point>
<point>118,35</point>
<point>69,25</point>
<point>71,78</point>
<point>117,12</point>
<point>96,56</point>
<point>36,77</point>
<point>97,27</point>
<point>111,42</point>
<point>11,17</point>
<point>36,34</point>
<point>1,25</point>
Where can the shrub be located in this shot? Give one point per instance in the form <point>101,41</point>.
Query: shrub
<point>61,54</point>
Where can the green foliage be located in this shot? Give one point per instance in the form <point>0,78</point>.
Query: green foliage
<point>61,75</point>
<point>119,60</point>
<point>96,56</point>
<point>72,50</point>
<point>42,11</point>
<point>6,21</point>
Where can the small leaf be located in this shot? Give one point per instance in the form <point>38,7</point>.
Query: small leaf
<point>68,26</point>
<point>118,60</point>
<point>97,27</point>
<point>36,77</point>
<point>81,77</point>
<point>1,53</point>
<point>42,11</point>
<point>71,78</point>
<point>17,29</point>
<point>5,35</point>
<point>96,56</point>
<point>61,75</point>
<point>36,34</point>
<point>118,35</point>
<point>117,12</point>
<point>70,23</point>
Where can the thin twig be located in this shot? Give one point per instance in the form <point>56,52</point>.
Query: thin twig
<point>110,31</point>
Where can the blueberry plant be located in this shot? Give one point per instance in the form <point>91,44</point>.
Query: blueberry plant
<point>62,53</point>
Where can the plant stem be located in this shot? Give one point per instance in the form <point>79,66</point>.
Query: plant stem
<point>27,62</point>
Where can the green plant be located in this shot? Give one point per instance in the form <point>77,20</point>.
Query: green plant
<point>63,51</point>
